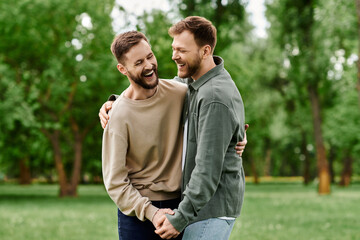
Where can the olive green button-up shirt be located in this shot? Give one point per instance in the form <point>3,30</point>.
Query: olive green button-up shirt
<point>213,181</point>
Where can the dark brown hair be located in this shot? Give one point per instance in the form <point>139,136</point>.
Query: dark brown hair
<point>203,30</point>
<point>123,42</point>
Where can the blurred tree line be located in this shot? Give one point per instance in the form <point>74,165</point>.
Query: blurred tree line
<point>299,84</point>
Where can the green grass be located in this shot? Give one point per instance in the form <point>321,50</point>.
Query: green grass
<point>270,211</point>
<point>35,212</point>
<point>293,211</point>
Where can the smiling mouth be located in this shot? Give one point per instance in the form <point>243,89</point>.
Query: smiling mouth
<point>149,74</point>
<point>181,65</point>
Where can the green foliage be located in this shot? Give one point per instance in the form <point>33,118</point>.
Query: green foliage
<point>58,70</point>
<point>315,42</point>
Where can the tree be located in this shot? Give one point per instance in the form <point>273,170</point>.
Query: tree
<point>60,53</point>
<point>357,2</point>
<point>297,24</point>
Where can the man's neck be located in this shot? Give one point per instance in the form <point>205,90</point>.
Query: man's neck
<point>135,92</point>
<point>205,66</point>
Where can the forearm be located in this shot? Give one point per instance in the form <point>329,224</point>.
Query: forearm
<point>215,132</point>
<point>116,180</point>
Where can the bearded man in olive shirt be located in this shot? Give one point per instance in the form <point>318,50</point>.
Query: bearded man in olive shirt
<point>213,176</point>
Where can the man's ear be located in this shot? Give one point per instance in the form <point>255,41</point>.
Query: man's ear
<point>121,68</point>
<point>206,51</point>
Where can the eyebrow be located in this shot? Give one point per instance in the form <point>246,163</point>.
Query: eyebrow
<point>178,48</point>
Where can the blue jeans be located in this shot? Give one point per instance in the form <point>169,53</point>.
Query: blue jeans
<point>131,228</point>
<point>209,229</point>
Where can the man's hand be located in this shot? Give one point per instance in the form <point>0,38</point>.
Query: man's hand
<point>240,146</point>
<point>160,217</point>
<point>103,113</point>
<point>167,230</point>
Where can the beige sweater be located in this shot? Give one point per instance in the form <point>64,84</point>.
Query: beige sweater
<point>141,152</point>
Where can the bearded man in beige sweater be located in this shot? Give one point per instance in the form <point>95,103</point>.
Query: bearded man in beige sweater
<point>142,141</point>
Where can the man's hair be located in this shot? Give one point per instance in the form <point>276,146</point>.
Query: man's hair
<point>123,42</point>
<point>204,31</point>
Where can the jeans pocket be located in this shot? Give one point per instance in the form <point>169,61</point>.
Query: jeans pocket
<point>229,222</point>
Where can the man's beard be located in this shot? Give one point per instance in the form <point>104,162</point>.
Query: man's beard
<point>139,80</point>
<point>193,67</point>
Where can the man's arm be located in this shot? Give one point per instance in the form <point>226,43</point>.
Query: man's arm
<point>167,230</point>
<point>104,118</point>
<point>216,127</point>
<point>118,185</point>
<point>103,113</point>
<point>105,108</point>
<point>240,146</point>
<point>116,180</point>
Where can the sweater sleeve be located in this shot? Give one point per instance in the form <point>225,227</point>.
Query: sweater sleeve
<point>116,180</point>
<point>216,128</point>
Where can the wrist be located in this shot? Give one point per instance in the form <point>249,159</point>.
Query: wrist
<point>152,220</point>
<point>150,212</point>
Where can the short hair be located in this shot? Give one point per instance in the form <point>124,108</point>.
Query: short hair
<point>123,42</point>
<point>204,31</point>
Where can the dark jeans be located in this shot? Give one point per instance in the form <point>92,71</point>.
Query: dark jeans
<point>131,228</point>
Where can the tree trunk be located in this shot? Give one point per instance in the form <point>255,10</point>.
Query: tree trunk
<point>322,163</point>
<point>25,175</point>
<point>54,138</point>
<point>190,7</point>
<point>55,141</point>
<point>306,174</point>
<point>254,172</point>
<point>218,13</point>
<point>347,171</point>
<point>267,166</point>
<point>331,164</point>
<point>358,62</point>
<point>77,156</point>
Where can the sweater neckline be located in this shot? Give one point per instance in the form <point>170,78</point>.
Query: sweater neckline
<point>143,101</point>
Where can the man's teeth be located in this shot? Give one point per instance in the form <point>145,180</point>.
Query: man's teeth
<point>181,65</point>
<point>149,74</point>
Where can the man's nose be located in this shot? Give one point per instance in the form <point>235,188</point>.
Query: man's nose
<point>148,65</point>
<point>175,55</point>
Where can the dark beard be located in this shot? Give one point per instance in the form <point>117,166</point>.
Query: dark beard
<point>194,67</point>
<point>139,80</point>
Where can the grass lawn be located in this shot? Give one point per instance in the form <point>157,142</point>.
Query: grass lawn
<point>270,211</point>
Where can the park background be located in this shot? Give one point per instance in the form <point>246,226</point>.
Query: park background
<point>299,79</point>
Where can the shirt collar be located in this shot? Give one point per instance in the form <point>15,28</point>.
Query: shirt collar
<point>210,74</point>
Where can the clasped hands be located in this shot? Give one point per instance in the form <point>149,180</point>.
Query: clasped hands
<point>163,226</point>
